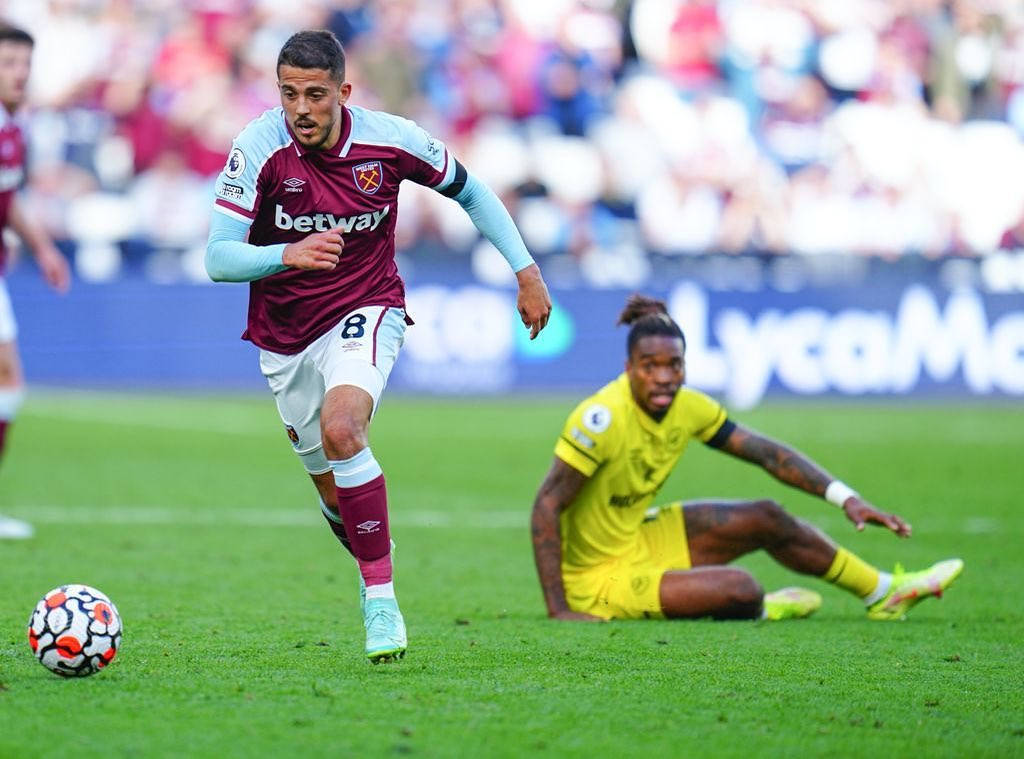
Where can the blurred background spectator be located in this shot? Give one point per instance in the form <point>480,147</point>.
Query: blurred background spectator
<point>622,135</point>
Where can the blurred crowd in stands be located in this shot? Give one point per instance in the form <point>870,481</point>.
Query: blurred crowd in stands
<point>618,132</point>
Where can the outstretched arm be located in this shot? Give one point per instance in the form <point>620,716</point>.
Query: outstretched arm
<point>52,263</point>
<point>794,468</point>
<point>561,485</point>
<point>492,219</point>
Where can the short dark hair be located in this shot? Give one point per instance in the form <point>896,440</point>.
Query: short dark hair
<point>314,49</point>
<point>645,317</point>
<point>10,33</point>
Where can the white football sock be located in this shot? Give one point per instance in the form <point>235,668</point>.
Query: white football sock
<point>884,583</point>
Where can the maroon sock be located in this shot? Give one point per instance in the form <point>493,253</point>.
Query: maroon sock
<point>376,572</point>
<point>364,511</point>
<point>4,424</point>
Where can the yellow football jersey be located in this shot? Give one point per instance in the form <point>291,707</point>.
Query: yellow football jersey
<point>628,456</point>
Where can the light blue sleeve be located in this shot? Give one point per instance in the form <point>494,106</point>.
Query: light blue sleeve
<point>492,219</point>
<point>230,259</point>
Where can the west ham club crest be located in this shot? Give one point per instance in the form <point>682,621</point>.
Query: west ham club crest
<point>368,176</point>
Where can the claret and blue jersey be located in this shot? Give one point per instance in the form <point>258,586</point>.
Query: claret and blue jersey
<point>12,171</point>
<point>285,192</point>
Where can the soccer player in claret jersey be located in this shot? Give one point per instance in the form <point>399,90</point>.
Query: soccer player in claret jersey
<point>15,63</point>
<point>305,211</point>
<point>602,552</point>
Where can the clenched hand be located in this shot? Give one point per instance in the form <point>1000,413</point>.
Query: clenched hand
<point>320,250</point>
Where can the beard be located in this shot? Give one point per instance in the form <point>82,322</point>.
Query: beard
<point>318,138</point>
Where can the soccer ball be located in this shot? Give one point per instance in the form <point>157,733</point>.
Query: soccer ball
<point>74,630</point>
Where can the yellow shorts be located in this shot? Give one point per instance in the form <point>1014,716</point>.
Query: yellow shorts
<point>629,588</point>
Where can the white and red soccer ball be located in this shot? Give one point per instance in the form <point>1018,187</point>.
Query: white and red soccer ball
<point>74,630</point>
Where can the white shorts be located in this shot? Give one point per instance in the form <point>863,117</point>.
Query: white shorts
<point>8,326</point>
<point>359,350</point>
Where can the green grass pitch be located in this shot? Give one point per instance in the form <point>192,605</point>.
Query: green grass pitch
<point>243,636</point>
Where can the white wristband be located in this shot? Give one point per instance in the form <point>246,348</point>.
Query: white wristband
<point>837,492</point>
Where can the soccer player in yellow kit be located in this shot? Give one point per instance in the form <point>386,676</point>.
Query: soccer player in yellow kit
<point>603,551</point>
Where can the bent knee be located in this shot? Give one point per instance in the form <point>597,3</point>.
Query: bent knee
<point>343,437</point>
<point>772,518</point>
<point>744,591</point>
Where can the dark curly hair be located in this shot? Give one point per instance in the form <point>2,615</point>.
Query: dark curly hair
<point>647,316</point>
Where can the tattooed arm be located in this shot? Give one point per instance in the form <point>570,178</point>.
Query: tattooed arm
<point>779,460</point>
<point>794,468</point>
<point>561,485</point>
